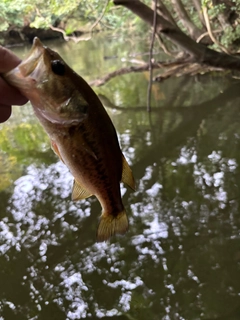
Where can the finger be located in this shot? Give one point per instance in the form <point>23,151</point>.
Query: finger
<point>10,95</point>
<point>8,60</point>
<point>5,112</point>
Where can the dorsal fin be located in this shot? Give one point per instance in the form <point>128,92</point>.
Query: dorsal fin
<point>127,175</point>
<point>78,192</point>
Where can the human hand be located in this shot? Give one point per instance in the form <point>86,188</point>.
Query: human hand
<point>8,94</point>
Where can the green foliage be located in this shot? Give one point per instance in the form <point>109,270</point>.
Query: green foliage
<point>214,11</point>
<point>12,12</point>
<point>41,22</point>
<point>70,15</point>
<point>230,36</point>
<point>81,15</point>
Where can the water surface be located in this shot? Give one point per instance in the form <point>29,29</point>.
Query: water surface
<point>181,256</point>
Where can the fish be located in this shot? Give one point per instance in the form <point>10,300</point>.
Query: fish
<point>80,130</point>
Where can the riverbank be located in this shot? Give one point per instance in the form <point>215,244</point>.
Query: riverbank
<point>18,37</point>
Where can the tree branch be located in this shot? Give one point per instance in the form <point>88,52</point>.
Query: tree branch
<point>126,70</point>
<point>209,29</point>
<point>100,17</point>
<point>163,26</point>
<point>198,52</point>
<point>186,21</point>
<point>122,71</point>
<point>163,11</point>
<point>150,58</point>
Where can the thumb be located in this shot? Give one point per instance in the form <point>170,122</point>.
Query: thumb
<point>8,60</point>
<point>5,112</point>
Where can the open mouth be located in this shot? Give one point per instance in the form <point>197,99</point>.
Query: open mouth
<point>27,66</point>
<point>29,71</point>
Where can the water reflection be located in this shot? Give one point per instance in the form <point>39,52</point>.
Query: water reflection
<point>180,258</point>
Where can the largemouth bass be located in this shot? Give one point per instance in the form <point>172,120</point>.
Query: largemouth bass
<point>80,130</point>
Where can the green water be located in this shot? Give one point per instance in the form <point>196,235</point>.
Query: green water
<point>181,256</point>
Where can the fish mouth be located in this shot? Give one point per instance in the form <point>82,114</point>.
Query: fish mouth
<point>30,70</point>
<point>35,80</point>
<point>29,64</point>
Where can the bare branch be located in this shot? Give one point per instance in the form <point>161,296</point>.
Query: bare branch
<point>163,46</point>
<point>207,34</point>
<point>150,58</point>
<point>126,70</point>
<point>205,14</point>
<point>162,10</point>
<point>65,37</point>
<point>122,71</point>
<point>186,21</point>
<point>100,17</point>
<point>184,69</point>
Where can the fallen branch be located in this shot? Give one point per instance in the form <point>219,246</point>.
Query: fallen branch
<point>170,72</point>
<point>122,71</point>
<point>183,70</point>
<point>155,65</point>
<point>176,68</point>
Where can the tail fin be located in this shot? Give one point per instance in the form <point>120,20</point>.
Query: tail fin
<point>110,225</point>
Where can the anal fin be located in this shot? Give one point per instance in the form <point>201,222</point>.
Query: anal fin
<point>127,175</point>
<point>79,192</point>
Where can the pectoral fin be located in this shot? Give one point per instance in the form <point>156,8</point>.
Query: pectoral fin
<point>79,192</point>
<point>127,176</point>
<point>55,149</point>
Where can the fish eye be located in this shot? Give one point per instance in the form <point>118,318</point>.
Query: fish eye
<point>58,67</point>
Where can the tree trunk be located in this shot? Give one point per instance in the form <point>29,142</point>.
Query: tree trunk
<point>194,32</point>
<point>198,52</point>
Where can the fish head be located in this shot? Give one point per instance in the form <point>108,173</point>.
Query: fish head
<point>48,82</point>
